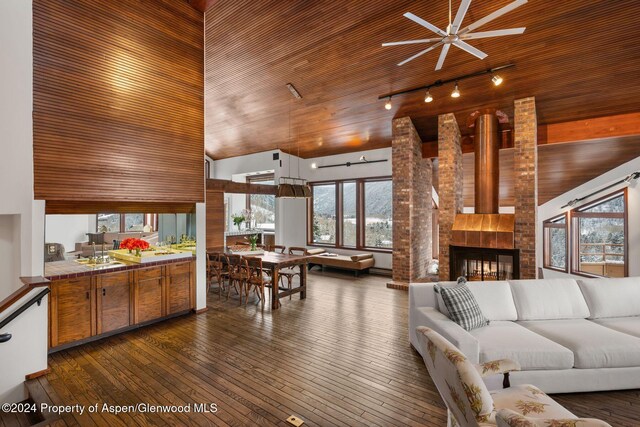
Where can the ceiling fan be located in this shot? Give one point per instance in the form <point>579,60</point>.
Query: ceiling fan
<point>456,36</point>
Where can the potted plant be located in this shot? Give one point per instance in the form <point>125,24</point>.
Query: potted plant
<point>238,219</point>
<point>253,241</point>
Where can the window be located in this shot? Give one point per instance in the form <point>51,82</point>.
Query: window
<point>354,214</point>
<point>599,241</point>
<point>378,214</point>
<point>125,223</point>
<point>349,218</point>
<point>133,222</point>
<point>262,206</point>
<point>555,243</point>
<point>324,214</point>
<point>109,223</point>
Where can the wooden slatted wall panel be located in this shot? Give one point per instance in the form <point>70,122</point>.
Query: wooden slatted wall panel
<point>215,219</point>
<point>118,101</point>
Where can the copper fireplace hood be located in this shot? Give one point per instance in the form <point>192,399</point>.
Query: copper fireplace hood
<point>486,228</point>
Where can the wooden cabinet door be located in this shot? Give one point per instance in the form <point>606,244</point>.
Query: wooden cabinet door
<point>113,301</point>
<point>178,287</point>
<point>72,315</point>
<point>148,301</point>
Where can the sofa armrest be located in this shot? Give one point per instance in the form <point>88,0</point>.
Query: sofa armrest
<point>454,333</point>
<point>496,367</point>
<point>509,418</point>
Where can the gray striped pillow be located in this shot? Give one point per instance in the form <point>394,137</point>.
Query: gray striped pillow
<point>462,306</point>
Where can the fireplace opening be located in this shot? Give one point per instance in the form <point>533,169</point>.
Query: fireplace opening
<point>480,264</point>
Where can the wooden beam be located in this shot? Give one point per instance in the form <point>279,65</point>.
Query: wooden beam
<point>558,133</point>
<point>92,207</point>
<point>227,186</point>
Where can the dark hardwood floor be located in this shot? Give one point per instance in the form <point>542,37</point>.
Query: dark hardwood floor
<point>340,357</point>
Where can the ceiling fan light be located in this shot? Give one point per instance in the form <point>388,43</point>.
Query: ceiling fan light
<point>387,105</point>
<point>456,92</point>
<point>428,97</point>
<point>496,79</point>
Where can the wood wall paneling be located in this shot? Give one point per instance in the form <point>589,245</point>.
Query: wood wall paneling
<point>215,219</point>
<point>118,101</point>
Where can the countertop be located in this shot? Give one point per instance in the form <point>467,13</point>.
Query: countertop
<point>69,269</point>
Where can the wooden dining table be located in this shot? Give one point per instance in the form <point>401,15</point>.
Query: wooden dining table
<point>274,261</point>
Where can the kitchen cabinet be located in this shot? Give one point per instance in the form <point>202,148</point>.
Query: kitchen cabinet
<point>178,287</point>
<point>148,294</point>
<point>113,301</point>
<point>71,310</point>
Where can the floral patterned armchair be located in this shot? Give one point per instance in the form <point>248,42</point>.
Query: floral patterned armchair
<point>468,401</point>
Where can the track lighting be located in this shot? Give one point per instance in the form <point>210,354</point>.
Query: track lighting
<point>314,165</point>
<point>496,79</point>
<point>387,104</point>
<point>456,92</point>
<point>428,97</point>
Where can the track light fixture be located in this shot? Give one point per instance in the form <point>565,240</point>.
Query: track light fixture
<point>496,79</point>
<point>314,165</point>
<point>456,92</point>
<point>428,97</point>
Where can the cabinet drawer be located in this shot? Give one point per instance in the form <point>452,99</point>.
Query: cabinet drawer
<point>149,273</point>
<point>179,268</point>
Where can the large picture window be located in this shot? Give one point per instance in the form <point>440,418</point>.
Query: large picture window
<point>556,245</point>
<point>262,206</point>
<point>352,214</point>
<point>125,223</point>
<point>599,240</point>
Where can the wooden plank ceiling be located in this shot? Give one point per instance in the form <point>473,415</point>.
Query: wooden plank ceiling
<point>561,167</point>
<point>579,58</point>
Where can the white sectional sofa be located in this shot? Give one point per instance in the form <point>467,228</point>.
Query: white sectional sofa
<point>567,335</point>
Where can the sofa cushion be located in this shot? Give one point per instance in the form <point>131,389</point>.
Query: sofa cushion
<point>494,299</point>
<point>611,297</point>
<point>462,306</point>
<point>628,325</point>
<point>508,340</point>
<point>593,345</point>
<point>361,257</point>
<point>548,299</point>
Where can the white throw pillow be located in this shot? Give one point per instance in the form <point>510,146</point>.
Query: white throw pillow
<point>494,299</point>
<point>548,299</point>
<point>612,297</point>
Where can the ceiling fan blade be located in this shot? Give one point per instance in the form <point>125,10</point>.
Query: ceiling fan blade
<point>420,53</point>
<point>411,42</point>
<point>490,17</point>
<point>462,11</point>
<point>468,48</point>
<point>443,55</point>
<point>495,33</point>
<point>424,23</point>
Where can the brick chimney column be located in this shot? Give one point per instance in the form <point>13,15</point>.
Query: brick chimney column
<point>450,182</point>
<point>412,204</point>
<point>526,184</point>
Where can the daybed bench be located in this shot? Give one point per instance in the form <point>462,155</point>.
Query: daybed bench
<point>357,263</point>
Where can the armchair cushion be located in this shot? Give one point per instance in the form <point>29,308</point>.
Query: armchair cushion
<point>529,401</point>
<point>509,418</point>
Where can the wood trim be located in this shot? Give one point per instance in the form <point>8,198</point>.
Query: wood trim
<point>37,374</point>
<point>22,291</point>
<point>202,310</point>
<point>546,256</point>
<point>93,207</point>
<point>227,186</point>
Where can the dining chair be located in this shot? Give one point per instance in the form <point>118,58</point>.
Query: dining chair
<point>278,248</point>
<point>257,279</point>
<point>290,272</point>
<point>216,269</point>
<point>238,274</point>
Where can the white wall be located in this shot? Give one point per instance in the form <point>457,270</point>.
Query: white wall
<point>69,229</point>
<point>554,208</point>
<point>27,351</point>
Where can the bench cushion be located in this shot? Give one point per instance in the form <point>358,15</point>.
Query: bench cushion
<point>612,297</point>
<point>508,340</point>
<point>593,345</point>
<point>547,299</point>
<point>342,261</point>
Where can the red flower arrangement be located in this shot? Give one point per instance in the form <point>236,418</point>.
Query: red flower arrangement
<point>132,243</point>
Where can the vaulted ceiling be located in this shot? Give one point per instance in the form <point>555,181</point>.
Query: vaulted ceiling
<point>579,58</point>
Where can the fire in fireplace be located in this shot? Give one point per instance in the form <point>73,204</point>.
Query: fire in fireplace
<point>477,264</point>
